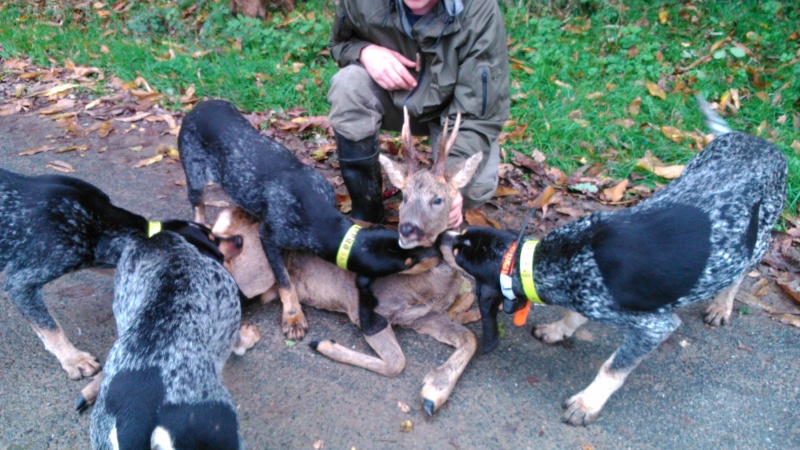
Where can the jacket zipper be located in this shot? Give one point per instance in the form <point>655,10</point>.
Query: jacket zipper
<point>484,82</point>
<point>419,80</point>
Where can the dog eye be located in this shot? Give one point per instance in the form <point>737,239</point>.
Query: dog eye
<point>437,201</point>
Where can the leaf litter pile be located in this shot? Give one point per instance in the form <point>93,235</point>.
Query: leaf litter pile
<point>87,103</point>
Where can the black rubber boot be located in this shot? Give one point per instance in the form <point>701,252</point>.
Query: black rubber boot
<point>362,176</point>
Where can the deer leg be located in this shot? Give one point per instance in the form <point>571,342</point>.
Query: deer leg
<point>247,338</point>
<point>390,361</point>
<point>439,382</point>
<point>370,321</point>
<point>719,310</point>
<point>89,393</point>
<point>559,330</point>
<point>294,324</point>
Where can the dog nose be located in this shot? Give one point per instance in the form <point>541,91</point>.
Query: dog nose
<point>408,230</point>
<point>238,242</point>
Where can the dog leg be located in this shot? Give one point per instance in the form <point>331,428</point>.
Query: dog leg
<point>551,333</point>
<point>488,302</point>
<point>461,309</point>
<point>294,324</point>
<point>637,342</point>
<point>248,336</point>
<point>370,322</point>
<point>719,310</point>
<point>390,361</point>
<point>439,382</point>
<point>76,363</point>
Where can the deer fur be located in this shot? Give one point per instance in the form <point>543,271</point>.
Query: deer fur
<point>428,302</point>
<point>427,193</point>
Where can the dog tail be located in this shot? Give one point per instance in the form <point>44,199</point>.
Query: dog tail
<point>716,124</point>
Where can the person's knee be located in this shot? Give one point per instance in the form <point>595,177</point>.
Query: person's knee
<point>479,191</point>
<point>355,109</point>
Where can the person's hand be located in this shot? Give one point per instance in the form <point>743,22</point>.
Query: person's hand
<point>388,68</point>
<point>455,218</point>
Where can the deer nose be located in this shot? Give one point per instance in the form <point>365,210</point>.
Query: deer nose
<point>408,230</point>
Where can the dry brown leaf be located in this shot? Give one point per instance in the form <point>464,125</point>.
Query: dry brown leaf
<point>476,217</point>
<point>796,146</point>
<point>319,444</point>
<point>403,407</point>
<point>792,289</point>
<point>504,191</point>
<point>633,108</point>
<point>344,202</point>
<point>655,90</point>
<point>149,161</point>
<point>790,319</point>
<point>60,166</point>
<point>663,16</point>
<point>35,150</point>
<point>54,90</point>
<point>406,426</point>
<point>59,106</point>
<point>616,192</point>
<point>673,134</point>
<point>625,123</point>
<point>543,199</point>
<point>72,148</point>
<point>188,96</point>
<point>652,164</point>
<point>134,118</point>
<point>217,204</point>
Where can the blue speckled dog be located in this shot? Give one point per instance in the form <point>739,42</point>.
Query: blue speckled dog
<point>295,204</point>
<point>692,240</point>
<point>177,311</point>
<point>53,225</point>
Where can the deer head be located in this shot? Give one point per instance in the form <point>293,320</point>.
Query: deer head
<point>427,193</point>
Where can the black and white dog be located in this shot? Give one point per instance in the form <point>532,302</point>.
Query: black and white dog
<point>178,318</point>
<point>295,204</point>
<point>692,240</point>
<point>53,225</point>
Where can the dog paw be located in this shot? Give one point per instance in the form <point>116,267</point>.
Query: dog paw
<point>80,365</point>
<point>294,326</point>
<point>717,314</point>
<point>580,410</point>
<point>248,336</point>
<point>550,333</point>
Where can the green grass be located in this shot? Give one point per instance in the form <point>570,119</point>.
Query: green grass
<point>576,58</point>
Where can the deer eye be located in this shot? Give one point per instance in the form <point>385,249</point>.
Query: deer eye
<point>437,201</point>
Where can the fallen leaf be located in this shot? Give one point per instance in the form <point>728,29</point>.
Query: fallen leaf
<point>54,90</point>
<point>218,204</point>
<point>60,166</point>
<point>59,106</point>
<point>148,161</point>
<point>633,108</point>
<point>35,150</point>
<point>585,187</point>
<point>504,191</point>
<point>663,16</point>
<point>406,426</point>
<point>73,148</point>
<point>134,118</point>
<point>403,407</point>
<point>792,289</point>
<point>655,90</point>
<point>790,319</point>
<point>476,217</point>
<point>289,342</point>
<point>616,192</point>
<point>319,444</point>
<point>652,164</point>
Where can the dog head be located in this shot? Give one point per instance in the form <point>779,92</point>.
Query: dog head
<point>201,237</point>
<point>249,266</point>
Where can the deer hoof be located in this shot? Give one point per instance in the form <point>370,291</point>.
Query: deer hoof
<point>428,406</point>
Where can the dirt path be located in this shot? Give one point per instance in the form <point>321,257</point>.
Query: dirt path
<point>736,386</point>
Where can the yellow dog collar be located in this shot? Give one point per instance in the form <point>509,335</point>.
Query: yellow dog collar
<point>526,270</point>
<point>347,244</point>
<point>153,228</point>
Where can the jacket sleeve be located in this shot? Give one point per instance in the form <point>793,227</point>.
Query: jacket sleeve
<point>482,86</point>
<point>345,46</point>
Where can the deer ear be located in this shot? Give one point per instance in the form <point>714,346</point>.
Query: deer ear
<point>395,171</point>
<point>463,171</point>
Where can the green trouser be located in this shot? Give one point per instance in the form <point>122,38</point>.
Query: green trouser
<point>360,108</point>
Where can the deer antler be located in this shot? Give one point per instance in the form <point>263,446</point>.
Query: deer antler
<point>407,142</point>
<point>445,146</point>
